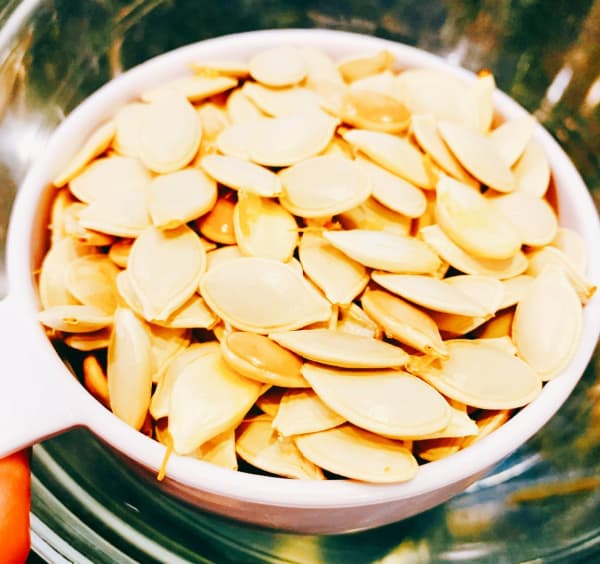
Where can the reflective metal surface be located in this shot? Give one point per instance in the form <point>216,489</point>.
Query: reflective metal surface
<point>541,504</point>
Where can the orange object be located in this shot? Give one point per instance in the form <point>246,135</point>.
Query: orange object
<point>15,499</point>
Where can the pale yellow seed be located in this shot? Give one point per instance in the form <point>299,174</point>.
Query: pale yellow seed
<point>95,145</point>
<point>129,368</point>
<point>301,411</point>
<point>259,358</point>
<point>354,68</point>
<point>179,197</point>
<point>170,134</point>
<point>217,225</point>
<point>74,318</point>
<point>263,228</point>
<point>357,454</point>
<point>278,66</point>
<point>512,137</point>
<point>259,444</point>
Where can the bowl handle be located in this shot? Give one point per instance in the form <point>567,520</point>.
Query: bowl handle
<point>37,398</point>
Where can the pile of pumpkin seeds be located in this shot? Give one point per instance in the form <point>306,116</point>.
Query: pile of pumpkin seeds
<point>320,268</point>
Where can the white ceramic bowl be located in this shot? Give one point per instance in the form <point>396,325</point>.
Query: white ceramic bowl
<point>40,398</point>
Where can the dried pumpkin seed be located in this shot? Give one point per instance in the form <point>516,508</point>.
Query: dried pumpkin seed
<point>548,323</point>
<point>87,342</point>
<point>393,153</point>
<point>277,102</point>
<point>259,358</point>
<point>240,174</point>
<point>94,379</point>
<point>259,444</point>
<point>532,170</point>
<point>301,411</point>
<point>263,228</point>
<point>129,368</point>
<point>164,269</point>
<point>533,217</point>
<point>323,186</point>
<point>512,137</point>
<point>278,66</point>
<point>472,223</point>
<point>207,398</point>
<point>170,134</point>
<point>506,383</point>
<point>74,318</point>
<point>479,155</point>
<point>92,280</point>
<point>194,88</point>
<point>127,124</point>
<point>394,192</point>
<point>280,141</point>
<point>358,454</point>
<point>217,225</point>
<point>385,250</point>
<point>179,197</point>
<point>240,109</point>
<point>464,262</point>
<point>262,295</point>
<point>336,348</point>
<point>340,278</point>
<point>354,68</point>
<point>572,245</point>
<point>371,215</point>
<point>391,403</point>
<point>404,322</point>
<point>95,145</point>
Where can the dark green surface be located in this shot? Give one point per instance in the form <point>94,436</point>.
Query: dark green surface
<point>89,497</point>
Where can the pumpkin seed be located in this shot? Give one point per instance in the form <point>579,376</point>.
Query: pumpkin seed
<point>179,197</point>
<point>277,67</point>
<point>319,66</point>
<point>472,223</point>
<point>164,269</point>
<point>358,454</point>
<point>259,358</point>
<point>238,69</point>
<point>355,321</point>
<point>384,250</point>
<point>52,286</point>
<point>74,318</point>
<point>129,368</point>
<point>548,323</point>
<point>404,322</point>
<point>217,225</point>
<point>301,411</point>
<point>92,280</point>
<point>192,314</point>
<point>512,137</point>
<point>499,326</point>
<point>170,133</point>
<point>119,252</point>
<point>165,344</point>
<point>127,124</point>
<point>123,216</point>
<point>479,155</point>
<point>431,293</point>
<point>391,403</point>
<point>280,141</point>
<point>373,110</point>
<point>354,68</point>
<point>371,215</point>
<point>240,174</point>
<point>460,425</point>
<point>263,228</point>
<point>194,88</point>
<point>393,153</point>
<point>532,170</point>
<point>270,400</point>
<point>95,145</point>
<point>262,295</point>
<point>58,216</point>
<point>159,405</point>
<point>424,128</point>
<point>440,94</point>
<point>533,217</point>
<point>240,109</point>
<point>323,186</point>
<point>382,82</point>
<point>539,259</point>
<point>572,245</point>
<point>277,102</point>
<point>487,291</point>
<point>207,398</point>
<point>464,262</point>
<point>259,444</point>
<point>87,342</point>
<point>94,379</point>
<point>340,278</point>
<point>73,228</point>
<point>506,383</point>
<point>483,91</point>
<point>487,424</point>
<point>394,192</point>
<point>336,348</point>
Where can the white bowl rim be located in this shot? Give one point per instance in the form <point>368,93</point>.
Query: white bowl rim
<point>263,489</point>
